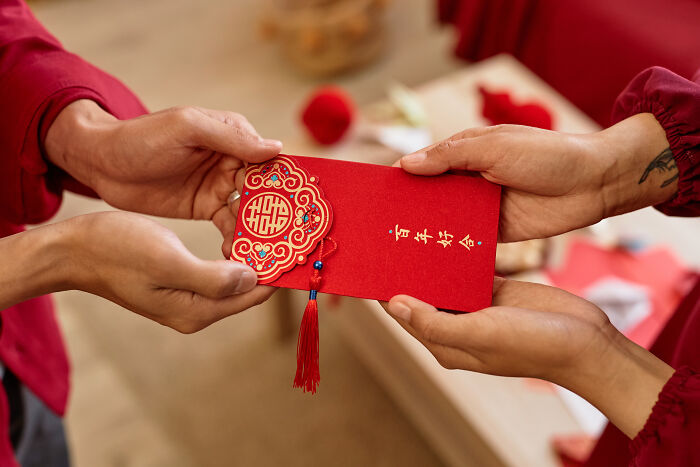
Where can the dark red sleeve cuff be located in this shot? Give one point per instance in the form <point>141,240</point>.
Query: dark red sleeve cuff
<point>39,85</point>
<point>675,102</point>
<point>670,434</point>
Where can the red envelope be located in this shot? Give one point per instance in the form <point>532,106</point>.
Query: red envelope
<point>433,238</point>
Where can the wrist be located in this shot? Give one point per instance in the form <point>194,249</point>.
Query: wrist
<point>620,378</point>
<point>50,266</point>
<point>74,140</point>
<point>35,262</point>
<point>638,168</point>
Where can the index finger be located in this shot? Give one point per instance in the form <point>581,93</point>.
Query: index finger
<point>232,135</point>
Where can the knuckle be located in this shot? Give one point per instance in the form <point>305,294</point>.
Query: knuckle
<point>445,150</point>
<point>501,130</point>
<point>445,147</point>
<point>471,132</point>
<point>242,133</point>
<point>238,118</point>
<point>186,114</point>
<point>239,133</point>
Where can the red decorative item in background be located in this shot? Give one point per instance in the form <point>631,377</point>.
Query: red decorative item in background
<point>655,269</point>
<point>328,114</point>
<point>587,51</point>
<point>499,108</point>
<point>573,450</point>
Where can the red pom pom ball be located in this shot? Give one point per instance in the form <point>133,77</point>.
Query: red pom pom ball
<point>499,108</point>
<point>328,115</point>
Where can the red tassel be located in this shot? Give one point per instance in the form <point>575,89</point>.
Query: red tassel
<point>308,375</point>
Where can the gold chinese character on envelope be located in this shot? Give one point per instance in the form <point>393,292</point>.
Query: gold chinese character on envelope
<point>282,217</point>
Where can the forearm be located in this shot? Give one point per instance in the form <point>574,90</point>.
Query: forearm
<point>639,169</point>
<point>35,262</point>
<point>73,140</point>
<point>624,383</point>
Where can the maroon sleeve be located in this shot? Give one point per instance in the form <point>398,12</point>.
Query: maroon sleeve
<point>38,78</point>
<point>672,431</point>
<point>675,102</point>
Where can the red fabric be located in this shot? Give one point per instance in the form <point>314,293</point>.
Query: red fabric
<point>328,114</point>
<point>589,50</point>
<point>370,204</point>
<point>37,80</point>
<point>675,102</point>
<point>670,435</point>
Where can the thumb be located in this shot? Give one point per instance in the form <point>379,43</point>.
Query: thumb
<point>430,324</point>
<point>451,154</point>
<point>216,279</point>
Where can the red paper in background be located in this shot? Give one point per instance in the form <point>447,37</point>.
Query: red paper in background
<point>370,202</point>
<point>656,270</point>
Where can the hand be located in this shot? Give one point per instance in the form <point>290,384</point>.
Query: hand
<point>132,261</point>
<point>556,182</point>
<point>538,331</point>
<point>142,266</point>
<point>179,162</point>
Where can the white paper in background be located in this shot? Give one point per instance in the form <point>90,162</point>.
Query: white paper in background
<point>626,304</point>
<point>407,101</point>
<point>404,139</point>
<point>401,138</point>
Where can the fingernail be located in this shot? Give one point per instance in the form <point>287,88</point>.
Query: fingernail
<point>400,310</point>
<point>272,142</point>
<point>246,281</point>
<point>415,157</point>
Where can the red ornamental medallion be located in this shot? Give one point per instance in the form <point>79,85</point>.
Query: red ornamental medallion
<point>282,217</point>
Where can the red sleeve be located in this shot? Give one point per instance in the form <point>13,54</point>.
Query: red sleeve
<point>672,431</point>
<point>675,102</point>
<point>38,78</point>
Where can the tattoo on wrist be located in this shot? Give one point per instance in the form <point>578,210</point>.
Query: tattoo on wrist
<point>664,162</point>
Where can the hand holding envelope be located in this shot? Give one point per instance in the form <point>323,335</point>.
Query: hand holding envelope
<point>392,230</point>
<point>552,183</point>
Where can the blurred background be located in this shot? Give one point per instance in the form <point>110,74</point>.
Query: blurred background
<point>404,73</point>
